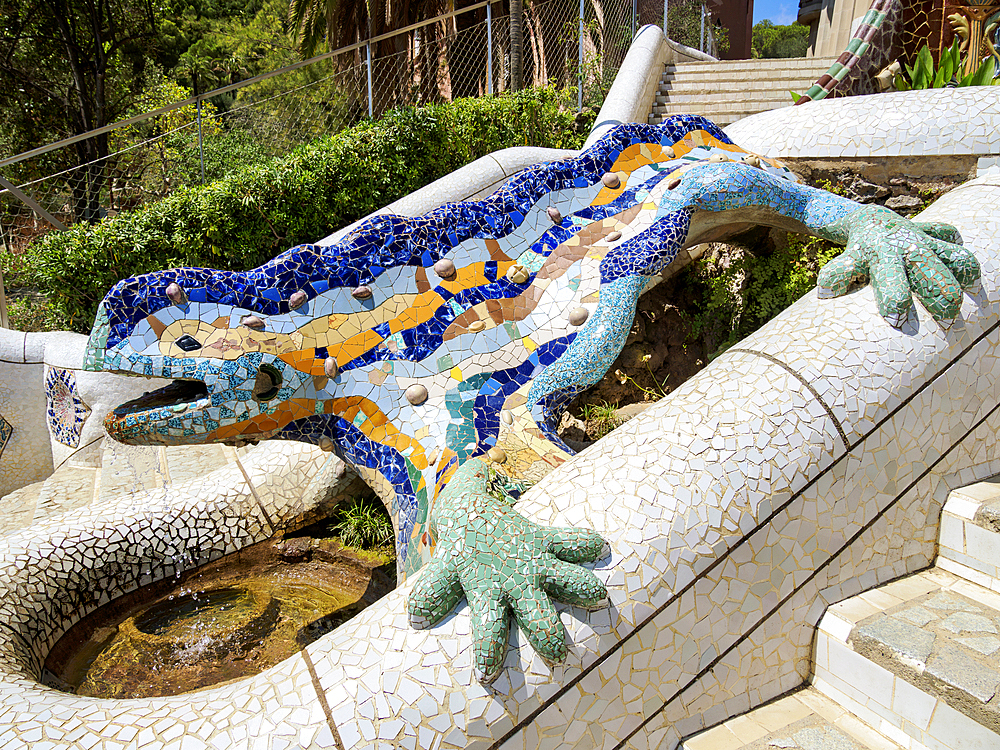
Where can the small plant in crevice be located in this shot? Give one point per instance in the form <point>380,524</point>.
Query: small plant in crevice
<point>363,523</point>
<point>601,418</point>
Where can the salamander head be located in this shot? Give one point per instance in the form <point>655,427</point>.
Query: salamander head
<point>233,367</point>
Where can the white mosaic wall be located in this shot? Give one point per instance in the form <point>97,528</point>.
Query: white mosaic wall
<point>33,451</point>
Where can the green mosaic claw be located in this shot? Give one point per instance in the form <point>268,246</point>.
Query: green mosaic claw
<point>505,564</point>
<point>901,258</point>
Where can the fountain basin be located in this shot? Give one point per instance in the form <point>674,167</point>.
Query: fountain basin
<point>223,622</point>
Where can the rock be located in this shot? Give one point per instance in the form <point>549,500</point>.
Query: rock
<point>297,299</point>
<point>506,417</point>
<point>614,236</point>
<point>361,292</point>
<point>416,394</point>
<point>668,151</point>
<point>445,268</point>
<point>252,321</point>
<point>673,183</point>
<point>496,455</point>
<point>578,316</point>
<point>863,191</point>
<point>476,326</point>
<point>904,203</point>
<point>330,367</point>
<point>293,550</point>
<point>175,294</point>
<point>554,214</point>
<point>518,274</point>
<point>611,180</point>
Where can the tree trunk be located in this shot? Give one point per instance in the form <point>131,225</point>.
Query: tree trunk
<point>516,43</point>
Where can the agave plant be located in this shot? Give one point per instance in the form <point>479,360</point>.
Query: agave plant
<point>923,75</point>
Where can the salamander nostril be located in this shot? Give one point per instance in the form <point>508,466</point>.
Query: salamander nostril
<point>188,343</point>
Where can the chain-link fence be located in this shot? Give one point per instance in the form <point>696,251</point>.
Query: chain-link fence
<point>571,43</point>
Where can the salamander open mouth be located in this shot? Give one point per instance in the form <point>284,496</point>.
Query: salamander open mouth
<point>178,393</point>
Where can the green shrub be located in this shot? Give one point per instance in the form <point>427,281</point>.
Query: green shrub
<point>248,217</point>
<point>744,291</point>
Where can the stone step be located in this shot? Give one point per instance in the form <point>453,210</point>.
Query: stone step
<point>709,76</point>
<point>762,97</point>
<point>969,541</point>
<point>805,720</point>
<point>720,119</point>
<point>18,508</point>
<point>730,87</point>
<point>713,112</point>
<point>186,462</point>
<point>917,659</point>
<point>130,469</point>
<point>750,66</point>
<point>67,488</point>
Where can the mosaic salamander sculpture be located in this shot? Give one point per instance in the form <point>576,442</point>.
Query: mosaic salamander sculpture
<point>435,354</point>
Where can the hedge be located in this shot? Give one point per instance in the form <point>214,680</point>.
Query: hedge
<point>248,217</point>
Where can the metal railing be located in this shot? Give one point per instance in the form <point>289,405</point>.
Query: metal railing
<point>571,43</point>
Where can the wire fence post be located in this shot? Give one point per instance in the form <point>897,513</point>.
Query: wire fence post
<point>579,65</point>
<point>201,147</point>
<point>371,105</point>
<point>701,43</point>
<point>489,48</point>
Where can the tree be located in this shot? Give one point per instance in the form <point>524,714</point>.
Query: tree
<point>684,25</point>
<point>73,65</point>
<point>771,41</point>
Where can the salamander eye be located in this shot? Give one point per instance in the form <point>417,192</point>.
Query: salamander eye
<point>267,384</point>
<point>188,343</point>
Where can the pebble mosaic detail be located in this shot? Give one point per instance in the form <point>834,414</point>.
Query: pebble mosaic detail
<point>65,411</point>
<point>415,345</point>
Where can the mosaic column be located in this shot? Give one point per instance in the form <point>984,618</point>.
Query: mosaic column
<point>976,26</point>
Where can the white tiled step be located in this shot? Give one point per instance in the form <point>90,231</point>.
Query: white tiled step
<point>740,67</point>
<point>969,542</point>
<point>806,720</point>
<point>916,660</point>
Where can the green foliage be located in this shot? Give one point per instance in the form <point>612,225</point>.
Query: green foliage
<point>744,292</point>
<point>33,313</point>
<point>601,418</point>
<point>248,217</point>
<point>771,41</point>
<point>684,25</point>
<point>923,75</point>
<point>363,523</point>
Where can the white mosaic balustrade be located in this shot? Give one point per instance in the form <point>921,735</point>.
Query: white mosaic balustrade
<point>932,122</point>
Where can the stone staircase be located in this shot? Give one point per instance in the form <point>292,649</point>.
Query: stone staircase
<point>122,469</point>
<point>912,664</point>
<point>727,91</point>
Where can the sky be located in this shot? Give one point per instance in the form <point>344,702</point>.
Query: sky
<point>779,12</point>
